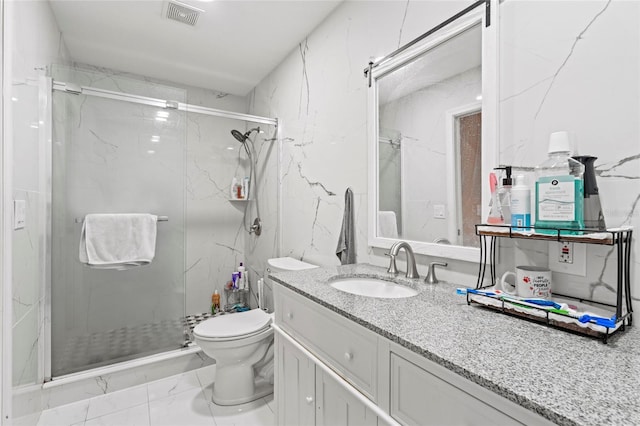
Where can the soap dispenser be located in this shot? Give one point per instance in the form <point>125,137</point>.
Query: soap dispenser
<point>504,194</point>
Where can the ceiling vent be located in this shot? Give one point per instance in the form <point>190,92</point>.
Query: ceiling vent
<point>183,13</point>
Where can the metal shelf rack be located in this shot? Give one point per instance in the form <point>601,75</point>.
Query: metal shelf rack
<point>620,238</point>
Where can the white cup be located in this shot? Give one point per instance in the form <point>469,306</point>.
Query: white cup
<point>530,281</point>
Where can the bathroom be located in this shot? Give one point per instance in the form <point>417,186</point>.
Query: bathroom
<point>562,65</point>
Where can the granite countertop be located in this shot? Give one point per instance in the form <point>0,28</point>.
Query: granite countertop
<point>566,378</point>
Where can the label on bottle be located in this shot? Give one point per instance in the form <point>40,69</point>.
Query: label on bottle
<point>556,198</point>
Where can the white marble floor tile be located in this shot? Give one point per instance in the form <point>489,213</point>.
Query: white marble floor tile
<point>173,385</point>
<point>186,408</point>
<point>178,400</point>
<point>250,414</point>
<point>206,375</point>
<point>65,415</point>
<point>117,401</point>
<point>133,416</point>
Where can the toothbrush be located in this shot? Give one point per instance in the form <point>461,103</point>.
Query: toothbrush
<point>536,303</point>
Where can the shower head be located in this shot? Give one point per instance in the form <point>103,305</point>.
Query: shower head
<point>243,137</point>
<point>239,136</point>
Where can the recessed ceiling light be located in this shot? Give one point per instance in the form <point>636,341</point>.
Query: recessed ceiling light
<point>151,151</point>
<point>230,148</point>
<point>155,139</point>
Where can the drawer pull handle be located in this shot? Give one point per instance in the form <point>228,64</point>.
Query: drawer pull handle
<point>289,315</point>
<point>348,356</point>
<point>309,399</point>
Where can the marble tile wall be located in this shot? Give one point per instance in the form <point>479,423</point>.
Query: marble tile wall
<point>581,75</point>
<point>564,65</point>
<point>36,43</point>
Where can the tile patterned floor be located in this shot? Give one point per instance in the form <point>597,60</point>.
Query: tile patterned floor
<point>105,348</point>
<point>181,400</point>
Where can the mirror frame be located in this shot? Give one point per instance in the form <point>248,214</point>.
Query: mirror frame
<point>490,127</point>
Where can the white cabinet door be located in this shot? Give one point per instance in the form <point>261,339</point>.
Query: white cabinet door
<point>421,398</point>
<point>294,386</point>
<point>336,406</point>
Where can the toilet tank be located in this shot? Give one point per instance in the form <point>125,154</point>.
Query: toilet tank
<point>280,264</point>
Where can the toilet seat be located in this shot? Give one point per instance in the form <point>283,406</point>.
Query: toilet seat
<point>234,326</point>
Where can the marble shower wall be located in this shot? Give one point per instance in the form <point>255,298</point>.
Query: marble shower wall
<point>215,235</point>
<point>35,43</point>
<point>564,65</point>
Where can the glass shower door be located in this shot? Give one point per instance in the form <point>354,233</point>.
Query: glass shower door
<point>113,156</point>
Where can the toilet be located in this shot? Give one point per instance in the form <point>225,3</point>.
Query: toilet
<point>242,343</point>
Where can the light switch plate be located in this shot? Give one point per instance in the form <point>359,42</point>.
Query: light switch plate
<point>577,267</point>
<point>19,213</point>
<point>439,211</point>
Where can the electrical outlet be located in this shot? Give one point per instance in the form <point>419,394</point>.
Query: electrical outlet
<point>438,211</point>
<point>566,252</point>
<point>572,260</point>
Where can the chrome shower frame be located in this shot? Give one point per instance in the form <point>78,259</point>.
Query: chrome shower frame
<point>47,86</point>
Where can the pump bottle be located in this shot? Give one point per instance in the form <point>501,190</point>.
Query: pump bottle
<point>559,200</point>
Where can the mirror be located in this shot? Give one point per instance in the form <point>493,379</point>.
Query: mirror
<point>429,108</point>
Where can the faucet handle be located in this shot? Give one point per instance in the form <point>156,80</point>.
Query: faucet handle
<point>393,269</point>
<point>431,274</point>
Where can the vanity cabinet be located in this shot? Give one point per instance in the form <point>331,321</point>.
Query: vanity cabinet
<point>307,395</point>
<point>333,371</point>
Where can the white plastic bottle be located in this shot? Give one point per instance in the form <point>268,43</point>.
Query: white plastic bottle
<point>243,277</point>
<point>245,187</point>
<point>521,205</point>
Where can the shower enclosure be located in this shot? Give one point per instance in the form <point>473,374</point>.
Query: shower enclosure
<point>127,151</point>
<point>111,156</point>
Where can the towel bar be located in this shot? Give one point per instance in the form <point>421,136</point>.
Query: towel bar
<point>160,219</point>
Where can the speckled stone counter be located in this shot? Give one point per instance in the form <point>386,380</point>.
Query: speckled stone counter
<point>566,378</point>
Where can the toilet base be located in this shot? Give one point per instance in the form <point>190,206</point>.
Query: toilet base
<point>262,388</point>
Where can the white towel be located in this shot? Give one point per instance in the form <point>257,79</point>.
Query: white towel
<point>118,241</point>
<point>387,224</point>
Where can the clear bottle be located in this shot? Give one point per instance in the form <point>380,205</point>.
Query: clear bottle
<point>559,200</point>
<point>215,302</point>
<point>504,194</point>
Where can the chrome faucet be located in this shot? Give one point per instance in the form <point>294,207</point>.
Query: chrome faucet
<point>412,271</point>
<point>431,274</point>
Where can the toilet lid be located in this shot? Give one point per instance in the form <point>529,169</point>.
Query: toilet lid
<point>231,325</point>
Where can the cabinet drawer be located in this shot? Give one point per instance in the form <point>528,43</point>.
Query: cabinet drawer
<point>348,348</point>
<point>421,398</point>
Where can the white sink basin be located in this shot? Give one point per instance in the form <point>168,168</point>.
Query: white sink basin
<point>372,287</point>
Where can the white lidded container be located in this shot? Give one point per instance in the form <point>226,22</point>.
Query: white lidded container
<point>521,205</point>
